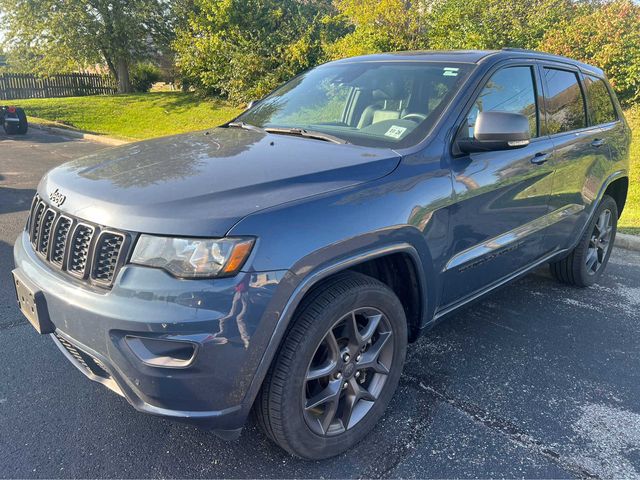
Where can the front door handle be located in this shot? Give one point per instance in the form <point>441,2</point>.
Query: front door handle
<point>598,142</point>
<point>540,157</point>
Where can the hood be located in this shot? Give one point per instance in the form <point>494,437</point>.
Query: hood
<point>203,183</point>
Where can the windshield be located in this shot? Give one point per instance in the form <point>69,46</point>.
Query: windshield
<point>383,104</point>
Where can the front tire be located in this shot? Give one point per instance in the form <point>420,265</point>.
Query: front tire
<point>587,261</point>
<point>337,368</point>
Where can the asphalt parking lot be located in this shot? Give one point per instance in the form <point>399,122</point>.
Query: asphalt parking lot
<point>538,380</point>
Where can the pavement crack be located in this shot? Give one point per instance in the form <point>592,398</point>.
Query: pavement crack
<point>506,428</point>
<point>401,447</point>
<point>8,325</point>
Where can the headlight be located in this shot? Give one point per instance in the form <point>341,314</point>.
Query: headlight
<point>193,257</point>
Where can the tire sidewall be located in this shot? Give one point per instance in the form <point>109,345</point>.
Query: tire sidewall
<point>309,444</point>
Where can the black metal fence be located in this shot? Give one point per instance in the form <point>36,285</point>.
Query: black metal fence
<point>26,85</point>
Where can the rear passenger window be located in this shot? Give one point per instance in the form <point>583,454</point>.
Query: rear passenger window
<point>509,90</point>
<point>601,109</point>
<point>564,101</point>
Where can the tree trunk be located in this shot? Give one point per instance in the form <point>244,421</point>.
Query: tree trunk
<point>122,69</point>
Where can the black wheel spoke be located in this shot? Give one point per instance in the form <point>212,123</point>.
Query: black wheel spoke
<point>329,415</point>
<point>322,371</point>
<point>331,393</point>
<point>372,325</point>
<point>352,330</point>
<point>370,358</point>
<point>332,343</point>
<point>352,411</point>
<point>605,234</point>
<point>592,258</point>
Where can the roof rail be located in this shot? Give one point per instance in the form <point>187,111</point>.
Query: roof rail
<point>515,49</point>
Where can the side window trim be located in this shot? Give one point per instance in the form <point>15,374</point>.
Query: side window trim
<point>578,73</point>
<point>540,105</point>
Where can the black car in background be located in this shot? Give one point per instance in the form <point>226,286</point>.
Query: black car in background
<point>13,120</point>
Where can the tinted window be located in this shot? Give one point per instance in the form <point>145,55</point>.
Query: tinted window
<point>565,104</point>
<point>601,109</point>
<point>509,90</point>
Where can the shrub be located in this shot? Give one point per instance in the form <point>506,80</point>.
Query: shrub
<point>143,76</point>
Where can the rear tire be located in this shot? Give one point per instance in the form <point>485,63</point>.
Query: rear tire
<point>345,349</point>
<point>17,128</point>
<point>587,261</point>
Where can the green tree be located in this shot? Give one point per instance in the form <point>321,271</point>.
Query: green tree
<point>608,37</point>
<point>380,26</point>
<point>493,24</point>
<point>50,36</point>
<point>242,49</point>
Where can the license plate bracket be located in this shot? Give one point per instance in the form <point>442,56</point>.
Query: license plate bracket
<point>32,303</point>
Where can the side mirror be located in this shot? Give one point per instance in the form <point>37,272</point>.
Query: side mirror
<point>250,104</point>
<point>497,131</point>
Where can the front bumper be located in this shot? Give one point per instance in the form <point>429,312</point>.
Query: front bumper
<point>229,321</point>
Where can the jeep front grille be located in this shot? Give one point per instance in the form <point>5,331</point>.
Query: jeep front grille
<point>86,251</point>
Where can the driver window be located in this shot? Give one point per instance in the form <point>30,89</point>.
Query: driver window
<point>512,90</point>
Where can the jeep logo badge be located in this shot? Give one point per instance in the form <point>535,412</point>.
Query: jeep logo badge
<point>57,198</point>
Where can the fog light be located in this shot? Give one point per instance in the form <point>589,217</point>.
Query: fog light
<point>162,353</point>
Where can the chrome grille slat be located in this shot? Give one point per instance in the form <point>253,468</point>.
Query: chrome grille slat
<point>79,248</point>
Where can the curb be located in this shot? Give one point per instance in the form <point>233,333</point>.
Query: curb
<point>628,242</point>
<point>79,134</point>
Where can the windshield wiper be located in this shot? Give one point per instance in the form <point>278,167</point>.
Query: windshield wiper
<point>301,132</point>
<point>245,126</point>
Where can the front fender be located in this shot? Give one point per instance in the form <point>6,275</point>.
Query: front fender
<point>297,285</point>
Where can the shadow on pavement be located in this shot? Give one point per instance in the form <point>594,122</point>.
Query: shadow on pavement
<point>15,199</point>
<point>37,136</point>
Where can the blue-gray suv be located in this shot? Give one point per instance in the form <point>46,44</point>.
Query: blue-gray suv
<point>280,264</point>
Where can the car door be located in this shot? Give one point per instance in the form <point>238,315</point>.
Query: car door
<point>501,196</point>
<point>581,154</point>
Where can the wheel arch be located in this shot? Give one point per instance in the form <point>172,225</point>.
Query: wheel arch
<point>615,183</point>
<point>379,261</point>
<point>617,189</point>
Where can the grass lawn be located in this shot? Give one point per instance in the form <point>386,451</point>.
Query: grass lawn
<point>630,220</point>
<point>133,117</point>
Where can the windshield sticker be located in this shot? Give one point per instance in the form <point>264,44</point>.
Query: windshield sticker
<point>395,131</point>
<point>450,72</point>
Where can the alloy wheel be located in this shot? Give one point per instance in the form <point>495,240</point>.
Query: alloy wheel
<point>348,371</point>
<point>600,242</point>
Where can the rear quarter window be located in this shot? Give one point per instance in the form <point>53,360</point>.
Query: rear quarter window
<point>601,109</point>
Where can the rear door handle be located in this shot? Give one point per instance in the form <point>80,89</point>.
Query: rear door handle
<point>598,142</point>
<point>540,157</point>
